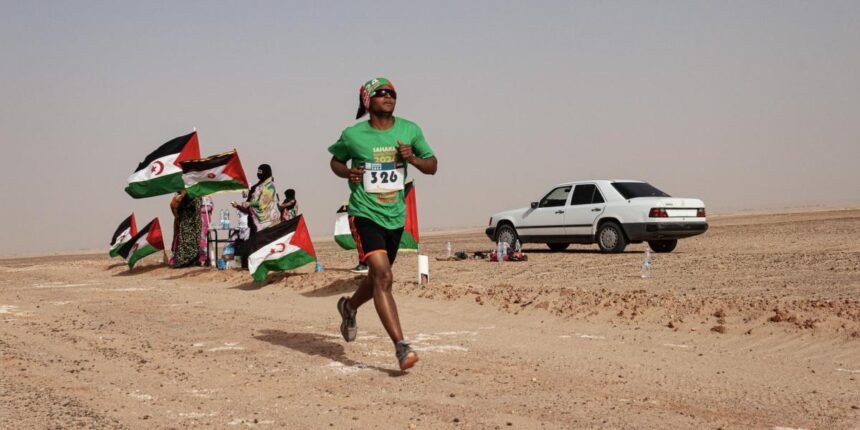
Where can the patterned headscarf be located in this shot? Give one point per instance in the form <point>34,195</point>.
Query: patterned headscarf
<point>365,92</point>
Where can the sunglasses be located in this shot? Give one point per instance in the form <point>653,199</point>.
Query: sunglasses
<point>383,92</point>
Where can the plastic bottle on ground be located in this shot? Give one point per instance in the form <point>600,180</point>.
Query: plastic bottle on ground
<point>646,263</point>
<point>448,249</point>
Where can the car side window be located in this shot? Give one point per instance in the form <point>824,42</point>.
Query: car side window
<point>556,197</point>
<point>583,194</point>
<point>598,198</point>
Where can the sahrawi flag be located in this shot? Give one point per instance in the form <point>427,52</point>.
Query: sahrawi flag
<point>408,241</point>
<point>283,246</point>
<point>147,241</point>
<point>342,230</point>
<point>222,172</point>
<point>126,230</point>
<point>160,173</point>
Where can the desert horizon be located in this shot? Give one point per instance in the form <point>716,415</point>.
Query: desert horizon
<point>443,231</point>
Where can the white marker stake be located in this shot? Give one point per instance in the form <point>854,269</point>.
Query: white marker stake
<point>423,268</point>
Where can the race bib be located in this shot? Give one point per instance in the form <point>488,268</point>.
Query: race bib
<point>383,177</point>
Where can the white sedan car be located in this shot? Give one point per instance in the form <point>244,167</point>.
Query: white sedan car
<point>611,213</point>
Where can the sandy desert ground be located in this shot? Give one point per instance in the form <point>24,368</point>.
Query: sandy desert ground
<point>755,324</point>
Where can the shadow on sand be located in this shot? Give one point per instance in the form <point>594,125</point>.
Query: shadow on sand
<point>338,286</point>
<point>319,345</point>
<point>186,272</point>
<point>115,265</point>
<point>272,278</point>
<point>337,269</point>
<point>573,251</point>
<point>249,286</point>
<point>141,270</point>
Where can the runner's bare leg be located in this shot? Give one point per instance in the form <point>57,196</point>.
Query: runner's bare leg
<point>377,285</point>
<point>363,293</point>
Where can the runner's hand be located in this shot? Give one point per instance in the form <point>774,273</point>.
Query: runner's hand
<point>355,174</point>
<point>405,151</point>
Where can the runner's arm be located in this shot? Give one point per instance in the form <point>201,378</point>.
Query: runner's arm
<point>341,169</point>
<point>427,166</point>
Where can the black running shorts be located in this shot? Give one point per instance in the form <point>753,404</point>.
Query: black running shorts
<point>371,238</point>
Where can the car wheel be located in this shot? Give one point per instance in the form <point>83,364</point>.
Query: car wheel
<point>558,246</point>
<point>506,233</point>
<point>610,238</point>
<point>663,245</point>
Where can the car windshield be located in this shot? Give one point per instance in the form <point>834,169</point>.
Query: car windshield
<point>632,190</point>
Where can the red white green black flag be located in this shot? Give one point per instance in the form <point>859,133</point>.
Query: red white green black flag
<point>160,173</point>
<point>222,172</point>
<point>283,246</point>
<point>147,241</point>
<point>342,230</point>
<point>126,230</point>
<point>410,240</point>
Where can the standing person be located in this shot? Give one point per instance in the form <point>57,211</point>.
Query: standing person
<point>242,225</point>
<point>186,230</point>
<point>290,207</point>
<point>262,204</point>
<point>206,208</point>
<point>379,151</point>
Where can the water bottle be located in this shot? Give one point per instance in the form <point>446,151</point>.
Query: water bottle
<point>500,251</point>
<point>318,268</point>
<point>646,263</point>
<point>517,246</point>
<point>221,217</point>
<point>448,249</point>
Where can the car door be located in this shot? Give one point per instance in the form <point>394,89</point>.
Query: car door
<point>586,204</point>
<point>548,218</point>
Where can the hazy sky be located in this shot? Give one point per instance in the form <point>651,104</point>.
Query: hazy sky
<point>744,104</point>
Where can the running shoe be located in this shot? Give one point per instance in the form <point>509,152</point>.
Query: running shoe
<point>361,268</point>
<point>348,326</point>
<point>405,355</point>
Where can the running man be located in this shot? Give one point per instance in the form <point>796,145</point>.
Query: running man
<point>380,151</point>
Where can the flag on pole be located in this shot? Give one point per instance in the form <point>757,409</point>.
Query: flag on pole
<point>409,240</point>
<point>126,230</point>
<point>342,231</point>
<point>283,246</point>
<point>160,173</point>
<point>147,241</point>
<point>222,172</point>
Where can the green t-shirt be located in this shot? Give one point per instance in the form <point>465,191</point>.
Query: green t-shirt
<point>361,144</point>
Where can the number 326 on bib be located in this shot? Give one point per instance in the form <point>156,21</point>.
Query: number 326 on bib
<point>382,177</point>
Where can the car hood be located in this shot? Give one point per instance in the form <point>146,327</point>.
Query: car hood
<point>511,213</point>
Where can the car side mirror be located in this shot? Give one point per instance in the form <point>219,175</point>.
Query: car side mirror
<point>534,205</point>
